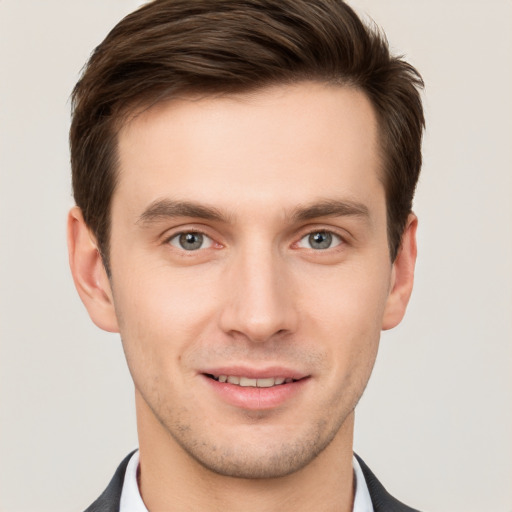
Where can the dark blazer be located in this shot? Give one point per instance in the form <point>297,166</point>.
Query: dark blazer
<point>382,501</point>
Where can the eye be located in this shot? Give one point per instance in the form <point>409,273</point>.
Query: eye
<point>320,240</point>
<point>191,241</point>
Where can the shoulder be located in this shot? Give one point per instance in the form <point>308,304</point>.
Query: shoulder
<point>381,499</point>
<point>111,496</point>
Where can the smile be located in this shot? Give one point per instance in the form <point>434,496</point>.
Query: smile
<point>267,382</point>
<point>256,389</point>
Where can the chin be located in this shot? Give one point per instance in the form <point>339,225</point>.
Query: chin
<point>250,465</point>
<point>260,459</point>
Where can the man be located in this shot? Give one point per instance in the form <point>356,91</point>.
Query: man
<point>244,174</point>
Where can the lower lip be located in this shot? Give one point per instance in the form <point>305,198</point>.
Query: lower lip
<point>253,398</point>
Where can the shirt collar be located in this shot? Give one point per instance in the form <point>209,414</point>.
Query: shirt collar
<point>131,500</point>
<point>362,499</point>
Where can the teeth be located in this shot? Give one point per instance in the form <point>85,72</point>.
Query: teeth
<point>248,382</point>
<point>266,383</point>
<point>245,381</point>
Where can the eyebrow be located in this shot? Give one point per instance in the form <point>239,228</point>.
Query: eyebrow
<point>168,209</point>
<point>330,208</point>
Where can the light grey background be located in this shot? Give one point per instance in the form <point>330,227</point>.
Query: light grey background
<point>436,421</point>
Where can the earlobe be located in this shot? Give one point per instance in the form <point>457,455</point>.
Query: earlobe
<point>89,275</point>
<point>402,276</point>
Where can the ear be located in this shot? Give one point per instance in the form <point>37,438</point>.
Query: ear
<point>89,275</point>
<point>402,276</point>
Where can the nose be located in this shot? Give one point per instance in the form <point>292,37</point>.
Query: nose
<point>260,302</point>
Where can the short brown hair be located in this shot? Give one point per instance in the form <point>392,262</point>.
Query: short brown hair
<point>171,47</point>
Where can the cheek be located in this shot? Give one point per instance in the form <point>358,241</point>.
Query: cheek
<point>161,315</point>
<point>346,311</point>
<point>160,296</point>
<point>349,295</point>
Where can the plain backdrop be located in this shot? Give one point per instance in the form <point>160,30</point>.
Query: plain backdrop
<point>435,423</point>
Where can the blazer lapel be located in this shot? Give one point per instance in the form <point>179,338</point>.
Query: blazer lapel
<point>110,498</point>
<point>382,501</point>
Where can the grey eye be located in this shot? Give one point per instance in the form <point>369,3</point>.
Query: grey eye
<point>191,241</point>
<point>320,240</point>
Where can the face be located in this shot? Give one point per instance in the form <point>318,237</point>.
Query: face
<point>250,272</point>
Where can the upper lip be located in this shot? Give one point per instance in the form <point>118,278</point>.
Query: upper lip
<point>256,373</point>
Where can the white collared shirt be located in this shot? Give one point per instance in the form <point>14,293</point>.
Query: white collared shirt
<point>131,500</point>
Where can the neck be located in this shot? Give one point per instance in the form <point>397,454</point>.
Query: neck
<point>170,479</point>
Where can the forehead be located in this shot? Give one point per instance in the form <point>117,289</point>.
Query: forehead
<point>283,145</point>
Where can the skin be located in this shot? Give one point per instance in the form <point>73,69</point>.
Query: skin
<point>274,166</point>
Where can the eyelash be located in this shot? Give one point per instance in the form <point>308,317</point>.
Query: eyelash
<point>336,237</point>
<point>177,236</point>
<point>331,236</point>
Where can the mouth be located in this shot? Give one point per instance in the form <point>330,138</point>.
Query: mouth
<point>264,382</point>
<point>256,389</point>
